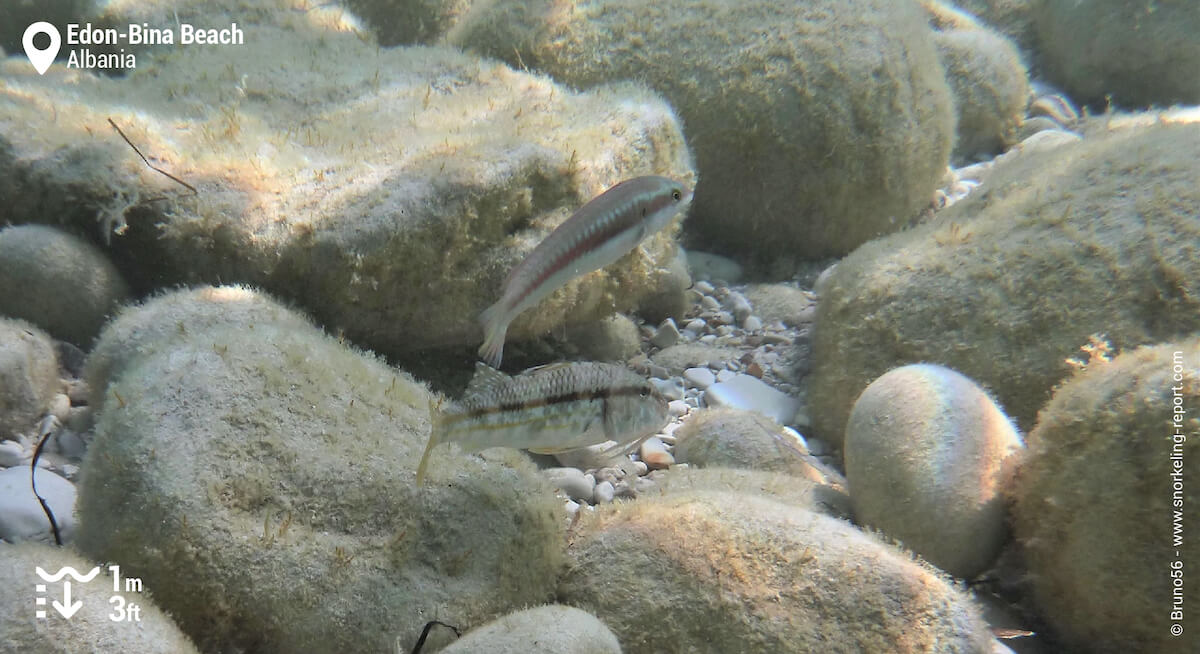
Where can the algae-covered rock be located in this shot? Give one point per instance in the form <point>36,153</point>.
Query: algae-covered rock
<point>614,338</point>
<point>28,375</point>
<point>57,281</point>
<point>146,328</point>
<point>388,191</point>
<point>783,302</point>
<point>1138,53</point>
<point>671,299</point>
<point>90,627</point>
<point>733,438</point>
<point>16,16</point>
<point>1093,237</point>
<point>827,497</point>
<point>1097,499</point>
<point>1012,18</point>
<point>927,458</point>
<point>817,124</point>
<point>551,629</point>
<point>262,482</point>
<point>410,21</point>
<point>990,89</point>
<point>730,572</point>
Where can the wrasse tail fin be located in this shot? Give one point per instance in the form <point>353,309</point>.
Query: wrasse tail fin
<point>494,329</point>
<point>435,437</point>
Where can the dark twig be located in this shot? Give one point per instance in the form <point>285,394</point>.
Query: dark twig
<point>37,452</point>
<point>425,634</point>
<point>152,166</point>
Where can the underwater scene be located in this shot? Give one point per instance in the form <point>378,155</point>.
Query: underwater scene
<point>600,326</point>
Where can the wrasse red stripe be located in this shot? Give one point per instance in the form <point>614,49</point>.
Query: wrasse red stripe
<point>578,396</point>
<point>618,221</point>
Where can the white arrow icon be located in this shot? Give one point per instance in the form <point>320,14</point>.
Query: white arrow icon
<point>41,59</point>
<point>66,608</point>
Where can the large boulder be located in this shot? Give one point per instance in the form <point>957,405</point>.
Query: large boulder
<point>387,191</point>
<point>28,376</point>
<point>91,627</point>
<point>58,282</point>
<point>1136,53</point>
<point>1097,236</point>
<point>260,478</point>
<point>1106,485</point>
<point>990,89</point>
<point>928,455</point>
<point>732,572</point>
<point>817,124</point>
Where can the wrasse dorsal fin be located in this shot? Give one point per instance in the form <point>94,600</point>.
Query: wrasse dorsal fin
<point>547,368</point>
<point>485,380</point>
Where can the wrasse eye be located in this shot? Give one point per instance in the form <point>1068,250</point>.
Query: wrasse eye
<point>676,195</point>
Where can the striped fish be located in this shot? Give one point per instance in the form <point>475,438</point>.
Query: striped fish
<point>601,232</point>
<point>550,409</point>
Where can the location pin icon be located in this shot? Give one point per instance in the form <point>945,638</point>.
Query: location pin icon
<point>41,59</point>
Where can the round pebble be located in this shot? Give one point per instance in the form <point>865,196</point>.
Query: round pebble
<point>752,324</point>
<point>704,287</point>
<point>710,303</point>
<point>605,492</point>
<point>699,377</point>
<point>571,481</point>
<point>751,393</point>
<point>654,453</point>
<point>70,444</point>
<point>12,453</point>
<point>672,389</point>
<point>677,408</point>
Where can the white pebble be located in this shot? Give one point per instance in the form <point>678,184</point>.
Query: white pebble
<point>696,325</point>
<point>752,324</point>
<point>672,388</point>
<point>739,305</point>
<point>725,375</point>
<point>723,317</point>
<point>604,492</point>
<point>21,515</point>
<point>699,377</point>
<point>710,303</point>
<point>708,339</point>
<point>571,481</point>
<point>640,468</point>
<point>704,287</point>
<point>667,334</point>
<point>677,408</point>
<point>752,394</point>
<point>12,454</point>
